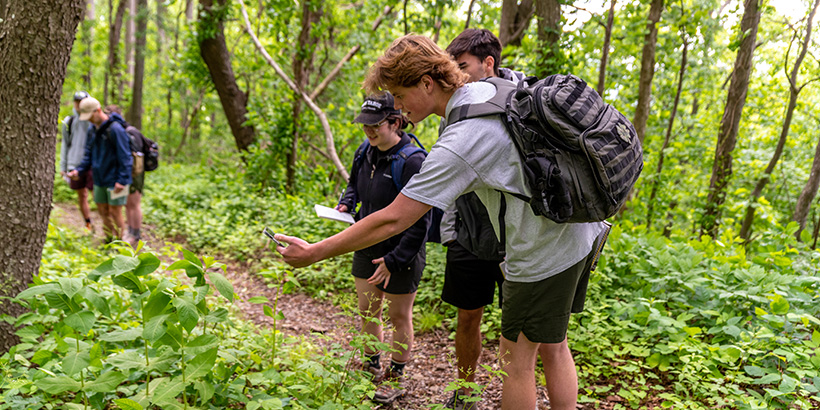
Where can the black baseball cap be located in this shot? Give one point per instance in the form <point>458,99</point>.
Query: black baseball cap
<point>80,95</point>
<point>376,108</point>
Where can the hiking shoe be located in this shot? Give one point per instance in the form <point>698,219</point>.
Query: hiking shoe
<point>89,227</point>
<point>376,373</point>
<point>458,401</point>
<point>390,388</point>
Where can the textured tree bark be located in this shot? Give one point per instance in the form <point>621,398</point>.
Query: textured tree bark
<point>801,210</point>
<point>135,109</point>
<point>681,74</point>
<point>302,68</point>
<point>113,70</point>
<point>794,92</point>
<point>548,14</point>
<point>215,53</point>
<point>33,70</point>
<point>727,137</point>
<point>610,19</point>
<point>647,69</point>
<point>130,40</point>
<point>515,18</point>
<point>88,38</point>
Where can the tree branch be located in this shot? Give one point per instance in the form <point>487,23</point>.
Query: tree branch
<point>309,101</point>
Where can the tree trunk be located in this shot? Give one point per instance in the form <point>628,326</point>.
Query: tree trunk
<point>135,110</point>
<point>515,18</point>
<point>130,40</point>
<point>469,14</point>
<point>548,14</point>
<point>190,11</point>
<point>801,210</point>
<point>302,68</point>
<point>162,36</point>
<point>215,53</point>
<point>668,138</point>
<point>794,92</point>
<point>610,19</point>
<point>30,87</point>
<point>88,38</point>
<point>113,71</point>
<point>647,69</point>
<point>727,138</point>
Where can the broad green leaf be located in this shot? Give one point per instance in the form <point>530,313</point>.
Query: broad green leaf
<point>115,266</point>
<point>173,337</point>
<point>770,378</point>
<point>201,344</point>
<point>268,311</point>
<point>82,322</point>
<point>787,385</point>
<point>224,287</point>
<point>754,371</point>
<point>190,256</point>
<point>805,236</point>
<point>106,382</point>
<point>30,333</point>
<point>217,316</point>
<point>258,299</point>
<point>155,328</point>
<point>166,359</point>
<point>148,264</point>
<point>70,286</point>
<point>39,290</point>
<point>75,361</point>
<point>62,302</point>
<point>130,281</point>
<point>815,338</point>
<point>41,357</point>
<point>100,303</point>
<point>179,265</point>
<point>201,364</point>
<point>168,391</point>
<point>205,389</point>
<point>128,404</point>
<point>760,312</point>
<point>127,360</point>
<point>187,313</point>
<point>156,305</point>
<point>57,385</point>
<point>126,335</point>
<point>779,305</point>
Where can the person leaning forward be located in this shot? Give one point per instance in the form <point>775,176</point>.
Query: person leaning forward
<point>544,260</point>
<point>108,156</point>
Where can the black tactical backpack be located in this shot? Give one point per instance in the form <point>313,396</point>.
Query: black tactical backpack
<point>581,157</point>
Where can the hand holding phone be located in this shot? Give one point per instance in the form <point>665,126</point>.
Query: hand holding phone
<point>267,232</point>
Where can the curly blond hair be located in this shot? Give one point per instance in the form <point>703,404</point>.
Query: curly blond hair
<point>407,60</point>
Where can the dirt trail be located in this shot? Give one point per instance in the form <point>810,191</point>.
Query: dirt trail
<point>429,372</point>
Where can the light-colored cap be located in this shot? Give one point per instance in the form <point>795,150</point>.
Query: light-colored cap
<point>87,107</point>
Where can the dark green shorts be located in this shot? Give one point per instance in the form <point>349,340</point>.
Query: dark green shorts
<point>541,309</point>
<point>137,183</point>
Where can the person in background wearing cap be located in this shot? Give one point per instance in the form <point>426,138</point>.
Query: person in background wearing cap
<point>133,210</point>
<point>392,268</point>
<point>108,156</point>
<point>71,154</point>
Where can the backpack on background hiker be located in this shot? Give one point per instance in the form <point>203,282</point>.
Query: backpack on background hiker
<point>580,156</point>
<point>143,147</point>
<point>397,162</point>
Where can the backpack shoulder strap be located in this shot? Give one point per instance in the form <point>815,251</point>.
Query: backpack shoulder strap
<point>398,160</point>
<point>494,106</point>
<point>68,122</point>
<point>357,163</point>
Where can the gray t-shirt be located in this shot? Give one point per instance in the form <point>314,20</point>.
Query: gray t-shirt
<point>478,155</point>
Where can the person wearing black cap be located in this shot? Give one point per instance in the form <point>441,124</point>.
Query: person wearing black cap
<point>74,132</point>
<point>392,268</point>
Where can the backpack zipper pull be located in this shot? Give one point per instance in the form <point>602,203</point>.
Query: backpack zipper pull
<point>372,171</point>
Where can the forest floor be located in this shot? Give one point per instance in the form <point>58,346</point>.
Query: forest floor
<point>429,371</point>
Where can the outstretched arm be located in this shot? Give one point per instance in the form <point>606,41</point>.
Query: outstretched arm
<point>376,227</point>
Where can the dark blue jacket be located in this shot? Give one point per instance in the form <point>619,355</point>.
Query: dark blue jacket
<point>108,153</point>
<point>373,186</point>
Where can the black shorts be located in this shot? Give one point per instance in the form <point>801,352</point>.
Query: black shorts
<point>403,282</point>
<point>541,310</point>
<point>470,282</point>
<point>84,180</point>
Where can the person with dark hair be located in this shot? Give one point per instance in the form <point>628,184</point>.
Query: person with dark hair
<point>547,264</point>
<point>390,269</point>
<point>133,209</point>
<point>108,156</point>
<point>75,132</point>
<point>473,271</point>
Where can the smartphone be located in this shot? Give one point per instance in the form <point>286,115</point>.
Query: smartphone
<point>267,232</point>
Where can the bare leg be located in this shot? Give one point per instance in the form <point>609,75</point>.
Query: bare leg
<point>108,224</point>
<point>370,306</point>
<point>518,361</point>
<point>468,343</point>
<point>562,379</point>
<point>82,196</point>
<point>133,210</point>
<point>400,312</point>
<point>115,212</point>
